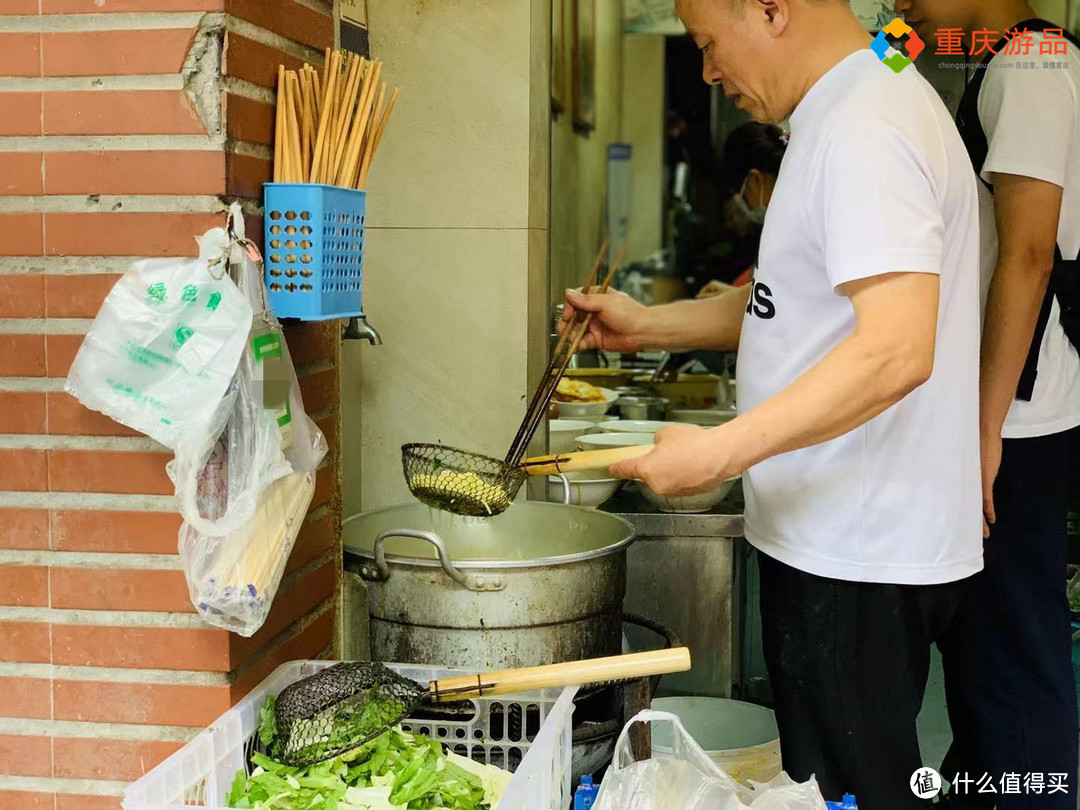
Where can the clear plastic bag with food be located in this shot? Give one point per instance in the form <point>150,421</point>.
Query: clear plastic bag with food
<point>689,780</point>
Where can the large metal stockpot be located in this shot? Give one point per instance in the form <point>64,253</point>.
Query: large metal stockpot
<point>540,583</point>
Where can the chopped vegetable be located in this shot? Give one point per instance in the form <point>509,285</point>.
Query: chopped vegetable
<point>395,771</point>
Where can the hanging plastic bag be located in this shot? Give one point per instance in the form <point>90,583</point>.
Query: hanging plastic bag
<point>244,482</point>
<point>164,347</point>
<point>689,780</point>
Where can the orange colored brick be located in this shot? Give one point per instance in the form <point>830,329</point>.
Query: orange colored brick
<point>298,600</point>
<point>326,486</point>
<point>23,471</point>
<point>114,112</point>
<point>117,532</point>
<point>22,412</point>
<point>60,351</point>
<point>123,234</point>
<point>125,6</point>
<point>20,234</point>
<point>24,296</point>
<point>320,391</point>
<point>315,539</point>
<point>329,427</point>
<point>25,755</point>
<point>247,120</point>
<point>115,53</point>
<point>154,704</point>
<point>119,589</point>
<point>20,54</point>
<point>141,647</point>
<point>22,355</point>
<point>25,799</point>
<point>315,638</point>
<point>77,296</point>
<point>67,801</point>
<point>25,697</point>
<point>135,172</point>
<point>68,417</point>
<point>20,113</point>
<point>24,585</point>
<point>20,173</point>
<point>313,340</point>
<point>255,62</point>
<point>20,7</point>
<point>290,19</point>
<point>24,528</point>
<point>245,176</point>
<point>116,472</point>
<point>26,643</point>
<point>112,760</point>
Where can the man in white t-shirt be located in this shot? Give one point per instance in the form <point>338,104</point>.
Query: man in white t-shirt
<point>858,385</point>
<point>1008,671</point>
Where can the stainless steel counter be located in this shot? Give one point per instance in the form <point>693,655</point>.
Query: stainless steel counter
<point>687,572</point>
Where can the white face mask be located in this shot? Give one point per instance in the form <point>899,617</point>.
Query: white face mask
<point>754,215</point>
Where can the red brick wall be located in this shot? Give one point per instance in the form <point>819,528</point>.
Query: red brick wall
<point>126,126</point>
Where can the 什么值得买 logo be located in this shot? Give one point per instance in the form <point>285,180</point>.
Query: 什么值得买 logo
<point>896,29</point>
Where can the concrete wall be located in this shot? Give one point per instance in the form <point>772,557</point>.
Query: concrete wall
<point>456,254</point>
<point>643,116</point>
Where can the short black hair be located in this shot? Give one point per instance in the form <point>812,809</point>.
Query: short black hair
<point>751,146</point>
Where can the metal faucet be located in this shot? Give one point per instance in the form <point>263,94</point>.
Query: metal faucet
<point>360,329</point>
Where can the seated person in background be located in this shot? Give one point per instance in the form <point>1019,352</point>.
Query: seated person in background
<point>749,168</point>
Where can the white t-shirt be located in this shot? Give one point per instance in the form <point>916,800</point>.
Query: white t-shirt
<point>1031,117</point>
<point>875,180</point>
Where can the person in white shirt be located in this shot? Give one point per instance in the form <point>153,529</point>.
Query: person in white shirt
<point>1008,671</point>
<point>858,385</point>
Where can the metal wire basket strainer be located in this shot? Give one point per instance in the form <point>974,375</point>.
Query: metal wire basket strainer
<point>458,481</point>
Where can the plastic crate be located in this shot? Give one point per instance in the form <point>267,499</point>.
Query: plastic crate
<point>537,747</point>
<point>314,239</point>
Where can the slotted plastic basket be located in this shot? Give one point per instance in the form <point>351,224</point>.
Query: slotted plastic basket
<point>528,734</point>
<point>314,250</point>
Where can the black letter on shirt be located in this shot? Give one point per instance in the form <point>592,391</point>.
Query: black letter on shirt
<point>762,303</point>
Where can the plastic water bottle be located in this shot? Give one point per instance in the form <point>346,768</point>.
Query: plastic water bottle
<point>586,793</point>
<point>848,803</point>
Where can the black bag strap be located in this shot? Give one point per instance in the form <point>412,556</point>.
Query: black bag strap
<point>974,137</point>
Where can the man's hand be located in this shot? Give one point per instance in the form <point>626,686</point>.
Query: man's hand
<point>991,464</point>
<point>687,460</point>
<point>616,323</point>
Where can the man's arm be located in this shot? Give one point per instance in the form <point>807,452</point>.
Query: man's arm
<point>621,324</point>
<point>889,353</point>
<point>1027,213</point>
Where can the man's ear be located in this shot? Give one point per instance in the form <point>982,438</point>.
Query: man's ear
<point>775,13</point>
<point>755,188</point>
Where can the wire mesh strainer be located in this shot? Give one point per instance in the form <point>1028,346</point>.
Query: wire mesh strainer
<point>458,481</point>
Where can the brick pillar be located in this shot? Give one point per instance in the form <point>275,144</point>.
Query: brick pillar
<point>126,126</point>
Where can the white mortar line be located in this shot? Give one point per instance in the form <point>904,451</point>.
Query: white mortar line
<point>45,326</point>
<point>86,787</point>
<point>249,90</point>
<point>96,731</point>
<point>66,265</point>
<point>89,501</point>
<point>52,23</point>
<point>112,204</point>
<point>96,84</point>
<point>277,41</point>
<point>318,5</point>
<point>295,576</point>
<point>98,143</point>
<point>114,444</point>
<point>103,618</point>
<point>32,384</point>
<point>166,677</point>
<point>91,559</point>
<point>285,636</point>
<point>314,367</point>
<point>248,149</point>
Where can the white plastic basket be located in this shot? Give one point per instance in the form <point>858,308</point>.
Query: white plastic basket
<point>528,734</point>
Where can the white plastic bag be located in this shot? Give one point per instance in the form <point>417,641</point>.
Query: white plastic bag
<point>163,348</point>
<point>690,780</point>
<point>245,481</point>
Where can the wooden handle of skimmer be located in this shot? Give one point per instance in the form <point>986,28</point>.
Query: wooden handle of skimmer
<point>572,673</point>
<point>582,462</point>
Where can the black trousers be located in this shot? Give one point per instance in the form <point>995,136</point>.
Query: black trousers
<point>1007,658</point>
<point>848,663</point>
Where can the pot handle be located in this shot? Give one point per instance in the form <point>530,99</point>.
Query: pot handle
<point>566,488</point>
<point>471,583</point>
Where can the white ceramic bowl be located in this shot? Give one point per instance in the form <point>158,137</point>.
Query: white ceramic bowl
<point>710,418</point>
<point>633,426</point>
<point>588,489</point>
<point>563,434</point>
<point>605,441</point>
<point>598,420</point>
<point>690,504</point>
<point>572,410</point>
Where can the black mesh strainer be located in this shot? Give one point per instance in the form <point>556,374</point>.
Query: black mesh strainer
<point>461,482</point>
